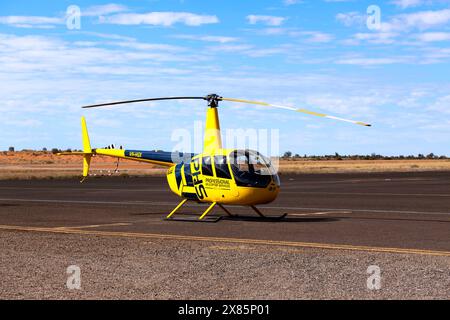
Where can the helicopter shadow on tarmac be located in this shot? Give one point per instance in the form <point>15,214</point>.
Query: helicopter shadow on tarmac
<point>191,217</point>
<point>9,205</point>
<point>286,218</point>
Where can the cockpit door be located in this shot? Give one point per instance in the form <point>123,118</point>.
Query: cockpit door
<point>223,171</point>
<point>188,188</point>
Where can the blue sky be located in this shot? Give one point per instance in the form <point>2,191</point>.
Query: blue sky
<point>319,55</point>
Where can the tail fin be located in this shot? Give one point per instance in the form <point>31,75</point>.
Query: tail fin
<point>86,142</point>
<point>87,150</point>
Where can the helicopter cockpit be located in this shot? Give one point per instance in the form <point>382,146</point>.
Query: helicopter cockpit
<point>252,169</point>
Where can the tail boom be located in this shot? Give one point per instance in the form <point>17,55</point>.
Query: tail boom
<point>162,158</point>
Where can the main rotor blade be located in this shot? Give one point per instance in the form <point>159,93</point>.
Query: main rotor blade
<point>142,100</point>
<point>298,110</point>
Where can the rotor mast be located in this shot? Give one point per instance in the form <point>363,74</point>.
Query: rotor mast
<point>212,139</point>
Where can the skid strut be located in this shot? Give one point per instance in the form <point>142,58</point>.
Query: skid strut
<point>226,210</point>
<point>176,208</point>
<point>268,217</point>
<point>207,210</point>
<point>258,212</point>
<point>193,218</point>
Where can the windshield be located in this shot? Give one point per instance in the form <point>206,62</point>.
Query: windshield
<point>251,169</point>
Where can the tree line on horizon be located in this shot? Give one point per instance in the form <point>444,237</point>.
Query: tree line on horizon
<point>288,155</point>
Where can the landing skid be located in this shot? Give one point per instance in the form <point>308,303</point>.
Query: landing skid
<point>253,218</point>
<point>203,217</point>
<point>260,214</point>
<point>192,218</point>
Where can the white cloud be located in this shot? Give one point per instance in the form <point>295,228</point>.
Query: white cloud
<point>418,20</point>
<point>308,36</point>
<point>350,104</point>
<point>102,10</point>
<point>206,38</point>
<point>408,3</point>
<point>42,22</point>
<point>276,31</point>
<point>292,2</point>
<point>371,61</point>
<point>104,35</point>
<point>110,123</point>
<point>401,25</point>
<point>165,19</point>
<point>318,37</point>
<point>232,48</point>
<point>147,46</point>
<point>255,52</point>
<point>31,21</point>
<point>25,123</point>
<point>267,20</point>
<point>266,52</point>
<point>351,18</point>
<point>50,56</point>
<point>442,104</point>
<point>432,55</point>
<point>433,36</point>
<point>402,22</point>
<point>376,38</point>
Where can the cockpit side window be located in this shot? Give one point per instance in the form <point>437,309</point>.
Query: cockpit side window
<point>242,162</point>
<point>249,170</point>
<point>260,165</point>
<point>222,171</point>
<point>206,166</point>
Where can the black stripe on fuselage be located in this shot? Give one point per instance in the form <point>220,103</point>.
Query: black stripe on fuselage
<point>178,177</point>
<point>161,156</point>
<point>190,196</point>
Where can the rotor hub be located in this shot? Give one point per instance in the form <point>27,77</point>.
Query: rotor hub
<point>213,100</point>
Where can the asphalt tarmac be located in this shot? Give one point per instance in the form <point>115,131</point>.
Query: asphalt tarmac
<point>385,217</point>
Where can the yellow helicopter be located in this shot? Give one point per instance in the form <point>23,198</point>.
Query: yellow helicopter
<point>217,176</point>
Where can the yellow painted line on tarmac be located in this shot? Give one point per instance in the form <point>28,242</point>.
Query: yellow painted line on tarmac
<point>233,248</point>
<point>310,245</point>
<point>96,226</point>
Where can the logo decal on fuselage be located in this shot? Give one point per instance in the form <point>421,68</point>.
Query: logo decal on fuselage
<point>215,183</point>
<point>198,182</point>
